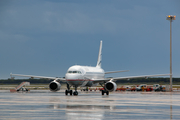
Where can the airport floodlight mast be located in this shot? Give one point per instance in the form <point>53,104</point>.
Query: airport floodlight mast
<point>171,18</point>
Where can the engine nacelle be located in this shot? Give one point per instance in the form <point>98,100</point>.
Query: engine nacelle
<point>54,86</point>
<point>110,86</point>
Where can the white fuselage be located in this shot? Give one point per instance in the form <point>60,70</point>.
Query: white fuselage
<point>83,75</point>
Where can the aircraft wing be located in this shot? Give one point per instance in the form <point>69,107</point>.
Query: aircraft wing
<point>32,76</point>
<point>143,76</point>
<point>116,71</point>
<point>128,77</point>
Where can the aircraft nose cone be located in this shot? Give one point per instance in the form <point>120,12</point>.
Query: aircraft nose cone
<point>73,76</point>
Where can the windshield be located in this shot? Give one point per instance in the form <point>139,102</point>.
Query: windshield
<point>74,72</point>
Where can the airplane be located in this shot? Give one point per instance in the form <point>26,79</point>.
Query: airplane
<point>87,76</point>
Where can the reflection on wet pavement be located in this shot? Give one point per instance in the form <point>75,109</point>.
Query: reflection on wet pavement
<point>48,105</point>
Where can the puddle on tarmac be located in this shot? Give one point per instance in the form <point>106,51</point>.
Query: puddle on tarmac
<point>46,105</point>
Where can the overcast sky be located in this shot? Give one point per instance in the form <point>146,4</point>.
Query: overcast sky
<point>46,37</point>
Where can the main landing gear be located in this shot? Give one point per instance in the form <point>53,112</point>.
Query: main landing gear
<point>104,91</point>
<point>68,91</point>
<point>75,93</point>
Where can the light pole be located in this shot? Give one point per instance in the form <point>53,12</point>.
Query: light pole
<point>170,18</point>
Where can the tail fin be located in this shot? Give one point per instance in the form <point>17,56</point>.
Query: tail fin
<point>100,55</point>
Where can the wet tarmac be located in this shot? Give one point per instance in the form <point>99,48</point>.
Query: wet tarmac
<point>46,105</point>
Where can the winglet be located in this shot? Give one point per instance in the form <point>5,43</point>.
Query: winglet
<point>100,55</point>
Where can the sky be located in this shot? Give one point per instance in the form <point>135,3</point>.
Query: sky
<point>46,37</point>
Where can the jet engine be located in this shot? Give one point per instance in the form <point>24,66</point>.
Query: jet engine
<point>54,86</point>
<point>110,86</point>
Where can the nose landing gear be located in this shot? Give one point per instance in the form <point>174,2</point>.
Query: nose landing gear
<point>75,93</point>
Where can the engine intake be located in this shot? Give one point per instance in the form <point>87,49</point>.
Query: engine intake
<point>54,86</point>
<point>110,86</point>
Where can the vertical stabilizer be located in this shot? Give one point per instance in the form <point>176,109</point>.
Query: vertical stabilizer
<point>100,55</point>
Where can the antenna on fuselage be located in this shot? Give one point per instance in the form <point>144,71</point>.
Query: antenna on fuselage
<point>100,55</point>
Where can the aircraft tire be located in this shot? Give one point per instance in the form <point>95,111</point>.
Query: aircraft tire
<point>75,93</point>
<point>71,92</point>
<point>107,93</point>
<point>66,92</point>
<point>102,92</point>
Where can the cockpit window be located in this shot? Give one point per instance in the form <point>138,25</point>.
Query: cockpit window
<point>74,72</point>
